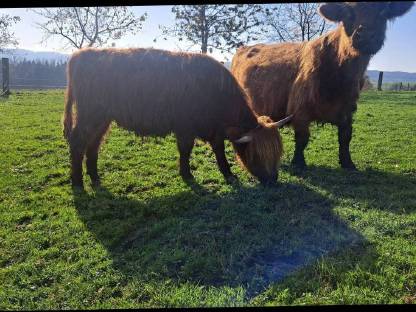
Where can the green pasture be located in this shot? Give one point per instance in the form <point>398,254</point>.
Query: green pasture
<point>147,239</point>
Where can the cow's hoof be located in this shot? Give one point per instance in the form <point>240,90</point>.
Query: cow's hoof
<point>77,188</point>
<point>269,184</point>
<point>231,179</point>
<point>299,165</point>
<point>95,184</point>
<point>349,167</point>
<point>77,182</point>
<point>187,177</point>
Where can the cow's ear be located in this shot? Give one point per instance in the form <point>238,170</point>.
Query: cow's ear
<point>397,8</point>
<point>335,12</point>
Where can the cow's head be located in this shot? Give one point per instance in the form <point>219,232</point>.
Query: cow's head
<point>260,150</point>
<point>364,22</point>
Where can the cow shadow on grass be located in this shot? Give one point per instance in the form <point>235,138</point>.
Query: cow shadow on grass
<point>252,236</point>
<point>382,190</point>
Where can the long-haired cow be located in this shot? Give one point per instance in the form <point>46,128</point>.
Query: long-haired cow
<point>155,92</point>
<point>318,80</point>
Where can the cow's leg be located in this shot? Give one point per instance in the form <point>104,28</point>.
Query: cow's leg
<point>301,141</point>
<point>77,145</point>
<point>218,147</point>
<point>344,139</point>
<point>92,153</point>
<point>185,144</point>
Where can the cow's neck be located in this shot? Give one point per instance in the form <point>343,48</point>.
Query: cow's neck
<point>350,61</point>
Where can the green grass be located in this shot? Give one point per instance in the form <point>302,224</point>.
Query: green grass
<point>147,239</point>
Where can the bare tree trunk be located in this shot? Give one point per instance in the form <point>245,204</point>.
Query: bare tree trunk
<point>204,47</point>
<point>302,21</point>
<point>204,31</point>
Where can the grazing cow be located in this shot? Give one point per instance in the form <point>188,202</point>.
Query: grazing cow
<point>319,80</point>
<point>154,93</point>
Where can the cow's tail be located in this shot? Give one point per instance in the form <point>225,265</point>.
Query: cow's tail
<point>67,118</point>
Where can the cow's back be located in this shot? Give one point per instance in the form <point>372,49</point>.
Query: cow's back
<point>154,91</point>
<point>266,73</point>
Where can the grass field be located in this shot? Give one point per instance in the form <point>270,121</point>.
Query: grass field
<point>147,239</point>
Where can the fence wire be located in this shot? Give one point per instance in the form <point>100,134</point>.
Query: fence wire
<point>38,83</point>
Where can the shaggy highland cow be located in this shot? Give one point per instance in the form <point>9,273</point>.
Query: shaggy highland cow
<point>318,80</point>
<point>154,93</point>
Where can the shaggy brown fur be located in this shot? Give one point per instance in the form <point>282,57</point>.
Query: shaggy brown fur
<point>155,92</point>
<point>264,139</point>
<point>318,80</point>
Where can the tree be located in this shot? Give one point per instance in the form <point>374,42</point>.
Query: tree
<point>218,26</point>
<point>89,26</point>
<point>294,22</point>
<point>6,36</point>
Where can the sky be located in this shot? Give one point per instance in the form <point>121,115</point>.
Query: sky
<point>397,54</point>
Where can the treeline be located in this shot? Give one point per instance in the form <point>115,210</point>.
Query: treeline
<point>37,74</point>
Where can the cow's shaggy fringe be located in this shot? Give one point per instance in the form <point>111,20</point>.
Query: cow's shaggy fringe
<point>265,142</point>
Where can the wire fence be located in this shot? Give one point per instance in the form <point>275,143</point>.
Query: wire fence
<point>38,83</point>
<point>48,83</point>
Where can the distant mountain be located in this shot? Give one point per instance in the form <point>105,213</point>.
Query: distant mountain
<point>16,55</point>
<point>388,76</point>
<point>392,76</point>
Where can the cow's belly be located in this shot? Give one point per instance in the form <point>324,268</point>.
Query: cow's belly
<point>144,122</point>
<point>332,112</point>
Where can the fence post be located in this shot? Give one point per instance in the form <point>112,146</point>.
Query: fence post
<point>380,80</point>
<point>408,86</point>
<point>401,85</point>
<point>5,71</point>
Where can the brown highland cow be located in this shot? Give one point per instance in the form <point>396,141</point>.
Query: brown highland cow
<point>154,93</point>
<point>318,80</point>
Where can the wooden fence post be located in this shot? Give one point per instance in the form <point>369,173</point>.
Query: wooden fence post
<point>380,80</point>
<point>401,85</point>
<point>5,71</point>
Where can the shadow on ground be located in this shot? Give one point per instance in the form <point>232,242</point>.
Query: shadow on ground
<point>382,190</point>
<point>250,237</point>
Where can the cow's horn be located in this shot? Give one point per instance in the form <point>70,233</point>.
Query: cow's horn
<point>282,122</point>
<point>244,139</point>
